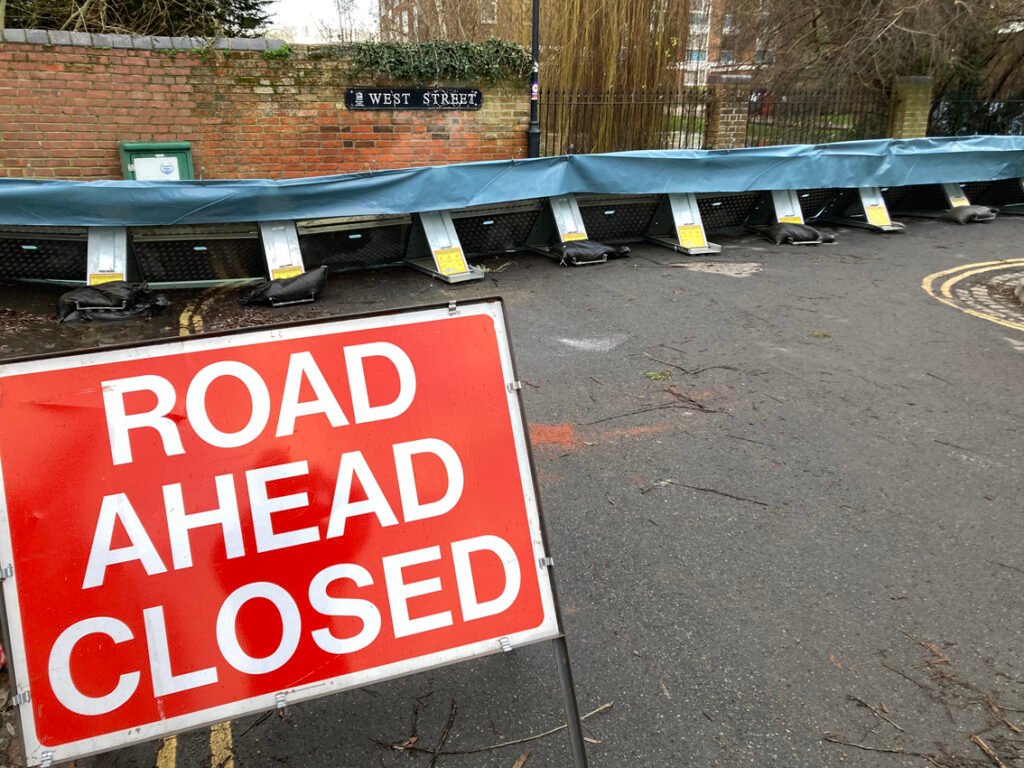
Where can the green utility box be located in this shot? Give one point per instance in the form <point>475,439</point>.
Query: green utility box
<point>156,160</point>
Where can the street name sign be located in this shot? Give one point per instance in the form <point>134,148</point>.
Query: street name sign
<point>396,99</point>
<point>198,529</point>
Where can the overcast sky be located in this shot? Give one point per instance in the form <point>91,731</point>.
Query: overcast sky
<point>306,18</point>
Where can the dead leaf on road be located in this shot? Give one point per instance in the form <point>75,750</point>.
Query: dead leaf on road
<point>521,760</point>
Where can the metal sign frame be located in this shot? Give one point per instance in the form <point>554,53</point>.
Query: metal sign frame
<point>550,627</point>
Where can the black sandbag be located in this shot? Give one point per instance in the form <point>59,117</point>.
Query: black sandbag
<point>577,252</point>
<point>968,214</point>
<point>785,233</point>
<point>304,287</point>
<point>118,300</point>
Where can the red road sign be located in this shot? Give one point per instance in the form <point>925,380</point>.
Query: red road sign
<point>200,527</point>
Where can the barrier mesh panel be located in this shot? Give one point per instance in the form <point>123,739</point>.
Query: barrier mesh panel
<point>618,220</point>
<point>27,256</point>
<point>917,197</point>
<point>188,260</point>
<point>1003,192</point>
<point>726,211</point>
<point>344,249</point>
<point>975,190</point>
<point>495,233</point>
<point>812,201</point>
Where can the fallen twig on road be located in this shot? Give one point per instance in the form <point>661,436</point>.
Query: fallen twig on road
<point>695,371</point>
<point>688,405</point>
<point>499,745</point>
<point>444,734</point>
<point>876,712</point>
<point>980,744</point>
<point>888,750</point>
<point>1011,567</point>
<point>724,493</point>
<point>905,676</point>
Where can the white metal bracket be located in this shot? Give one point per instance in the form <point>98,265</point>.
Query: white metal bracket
<point>955,196</point>
<point>107,255</point>
<point>568,219</point>
<point>873,213</point>
<point>281,249</point>
<point>876,213</point>
<point>787,207</point>
<point>506,644</point>
<point>436,250</point>
<point>678,225</point>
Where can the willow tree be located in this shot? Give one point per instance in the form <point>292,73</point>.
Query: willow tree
<point>605,66</point>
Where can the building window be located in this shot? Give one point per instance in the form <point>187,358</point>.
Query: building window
<point>694,54</point>
<point>727,57</point>
<point>698,19</point>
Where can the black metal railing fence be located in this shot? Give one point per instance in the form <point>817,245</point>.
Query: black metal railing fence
<point>960,114</point>
<point>815,117</point>
<point>575,122</point>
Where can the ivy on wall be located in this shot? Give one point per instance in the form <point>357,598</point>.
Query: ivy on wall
<point>439,60</point>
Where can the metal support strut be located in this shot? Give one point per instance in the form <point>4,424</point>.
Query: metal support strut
<point>677,224</point>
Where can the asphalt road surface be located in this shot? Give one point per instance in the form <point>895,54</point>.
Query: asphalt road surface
<point>785,497</point>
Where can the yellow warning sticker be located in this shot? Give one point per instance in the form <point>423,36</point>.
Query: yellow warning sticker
<point>283,273</point>
<point>568,237</point>
<point>99,278</point>
<point>450,261</point>
<point>790,220</point>
<point>691,236</point>
<point>959,201</point>
<point>878,216</point>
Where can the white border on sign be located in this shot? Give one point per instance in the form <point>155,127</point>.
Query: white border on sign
<point>548,628</point>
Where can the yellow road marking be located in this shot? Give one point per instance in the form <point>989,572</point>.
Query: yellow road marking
<point>167,757</point>
<point>221,749</point>
<point>927,282</point>
<point>945,293</point>
<point>191,319</point>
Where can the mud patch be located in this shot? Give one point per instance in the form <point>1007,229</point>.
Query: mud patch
<point>558,435</point>
<point>736,269</point>
<point>568,437</point>
<point>600,344</point>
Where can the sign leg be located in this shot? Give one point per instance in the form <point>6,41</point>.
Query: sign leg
<point>574,726</point>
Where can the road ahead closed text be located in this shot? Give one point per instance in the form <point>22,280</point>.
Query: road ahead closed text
<point>199,527</point>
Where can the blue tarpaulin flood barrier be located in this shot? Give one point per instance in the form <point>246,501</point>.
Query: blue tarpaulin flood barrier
<point>881,163</point>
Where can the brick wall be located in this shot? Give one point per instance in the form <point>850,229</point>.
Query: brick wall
<point>911,104</point>
<point>248,113</point>
<point>725,122</point>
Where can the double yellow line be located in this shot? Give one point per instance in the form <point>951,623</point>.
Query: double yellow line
<point>221,749</point>
<point>221,745</point>
<point>939,285</point>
